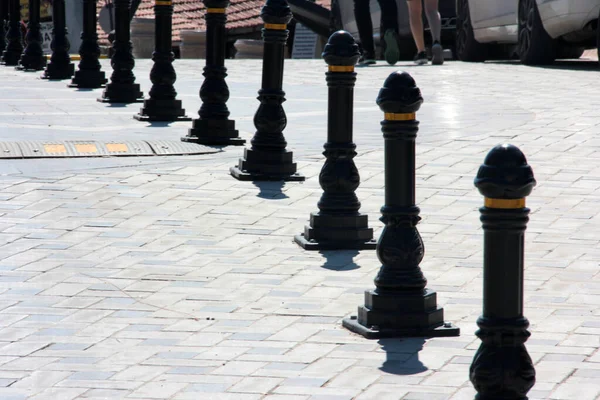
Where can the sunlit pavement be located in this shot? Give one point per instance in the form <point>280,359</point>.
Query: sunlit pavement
<point>165,278</point>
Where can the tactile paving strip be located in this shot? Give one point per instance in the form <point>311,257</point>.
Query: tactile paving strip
<point>88,148</point>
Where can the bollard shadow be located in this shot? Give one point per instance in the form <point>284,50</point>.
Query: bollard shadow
<point>271,190</point>
<point>402,356</point>
<point>159,124</point>
<point>339,260</point>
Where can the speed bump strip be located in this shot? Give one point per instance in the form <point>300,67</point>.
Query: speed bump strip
<point>92,148</point>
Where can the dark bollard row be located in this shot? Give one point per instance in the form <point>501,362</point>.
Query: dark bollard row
<point>268,159</point>
<point>502,368</point>
<point>214,126</point>
<point>339,224</point>
<point>162,104</point>
<point>14,45</point>
<point>33,58</point>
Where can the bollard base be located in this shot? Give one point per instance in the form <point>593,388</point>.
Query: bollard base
<point>32,67</point>
<point>214,132</point>
<point>261,165</point>
<point>445,330</point>
<point>400,314</point>
<point>125,93</point>
<point>311,244</point>
<point>240,175</point>
<point>88,79</point>
<point>60,72</point>
<point>162,111</point>
<point>337,232</point>
<point>10,59</point>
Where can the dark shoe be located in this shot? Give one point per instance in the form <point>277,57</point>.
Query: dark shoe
<point>392,51</point>
<point>366,59</point>
<point>437,52</point>
<point>421,58</point>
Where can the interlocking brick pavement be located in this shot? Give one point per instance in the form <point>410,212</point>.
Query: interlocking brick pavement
<point>168,279</point>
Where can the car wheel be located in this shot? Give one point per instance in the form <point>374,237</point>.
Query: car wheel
<point>467,48</point>
<point>535,45</point>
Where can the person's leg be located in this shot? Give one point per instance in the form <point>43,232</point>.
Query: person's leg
<point>435,20</point>
<point>435,25</point>
<point>362,15</point>
<point>389,30</point>
<point>415,15</point>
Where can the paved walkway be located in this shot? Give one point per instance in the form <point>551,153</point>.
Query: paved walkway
<point>165,278</point>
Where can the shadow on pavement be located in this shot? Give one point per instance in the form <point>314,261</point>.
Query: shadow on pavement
<point>572,65</point>
<point>340,260</point>
<point>271,190</point>
<point>397,351</point>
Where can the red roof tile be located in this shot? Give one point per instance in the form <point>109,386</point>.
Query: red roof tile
<point>189,15</point>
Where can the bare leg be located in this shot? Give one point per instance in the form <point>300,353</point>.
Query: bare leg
<point>434,19</point>
<point>415,12</point>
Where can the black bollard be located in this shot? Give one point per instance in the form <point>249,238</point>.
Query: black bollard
<point>33,58</point>
<point>502,368</point>
<point>90,74</point>
<point>401,305</point>
<point>162,104</point>
<point>338,224</point>
<point>60,65</point>
<point>122,87</point>
<point>14,45</point>
<point>268,159</point>
<point>213,127</point>
<point>3,20</point>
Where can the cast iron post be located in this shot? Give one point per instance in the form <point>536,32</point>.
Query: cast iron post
<point>3,19</point>
<point>162,104</point>
<point>338,224</point>
<point>401,305</point>
<point>60,65</point>
<point>213,127</point>
<point>90,74</point>
<point>33,58</point>
<point>14,45</point>
<point>122,87</point>
<point>268,159</point>
<point>502,368</point>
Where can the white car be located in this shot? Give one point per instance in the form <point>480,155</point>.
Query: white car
<point>542,30</point>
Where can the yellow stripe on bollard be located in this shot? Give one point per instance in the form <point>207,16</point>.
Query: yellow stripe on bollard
<point>276,27</point>
<point>215,10</point>
<point>163,3</point>
<point>503,203</point>
<point>341,68</point>
<point>399,117</point>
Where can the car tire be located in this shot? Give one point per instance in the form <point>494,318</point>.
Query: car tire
<point>467,48</point>
<point>536,47</point>
<point>408,49</point>
<point>569,52</point>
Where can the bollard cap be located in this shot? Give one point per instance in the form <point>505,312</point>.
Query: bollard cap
<point>505,174</point>
<point>276,12</point>
<point>399,94</point>
<point>341,49</point>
